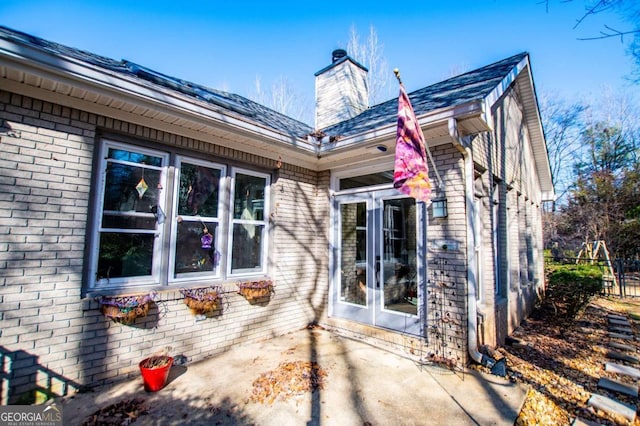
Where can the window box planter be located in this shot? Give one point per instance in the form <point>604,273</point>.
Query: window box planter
<point>125,309</point>
<point>254,290</point>
<point>155,372</point>
<point>202,300</point>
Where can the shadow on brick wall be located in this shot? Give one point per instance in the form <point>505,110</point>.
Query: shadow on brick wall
<point>35,384</point>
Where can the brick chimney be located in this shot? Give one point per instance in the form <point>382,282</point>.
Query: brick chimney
<point>341,90</point>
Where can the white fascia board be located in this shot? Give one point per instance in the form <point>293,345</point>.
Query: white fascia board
<point>389,131</point>
<point>539,145</point>
<point>504,84</point>
<point>548,196</point>
<point>108,83</point>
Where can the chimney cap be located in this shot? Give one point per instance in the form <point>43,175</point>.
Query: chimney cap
<point>338,54</point>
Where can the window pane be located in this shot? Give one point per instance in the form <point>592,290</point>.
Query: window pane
<point>353,253</point>
<point>367,180</point>
<point>198,192</point>
<point>120,188</point>
<point>196,250</point>
<point>249,197</point>
<point>128,222</point>
<point>246,248</point>
<point>125,255</point>
<point>134,157</point>
<point>399,278</point>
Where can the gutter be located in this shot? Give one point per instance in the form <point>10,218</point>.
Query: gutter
<point>472,310</point>
<point>378,133</point>
<point>84,75</point>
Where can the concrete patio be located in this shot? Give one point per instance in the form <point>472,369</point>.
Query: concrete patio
<point>364,385</point>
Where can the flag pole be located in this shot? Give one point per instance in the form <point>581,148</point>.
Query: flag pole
<point>396,71</point>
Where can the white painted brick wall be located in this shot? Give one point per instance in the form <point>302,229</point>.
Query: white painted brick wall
<point>46,326</point>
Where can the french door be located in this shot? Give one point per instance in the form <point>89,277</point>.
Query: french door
<point>378,244</point>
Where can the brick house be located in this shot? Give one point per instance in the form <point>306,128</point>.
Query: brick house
<point>119,180</point>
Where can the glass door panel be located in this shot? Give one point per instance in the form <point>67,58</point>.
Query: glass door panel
<point>399,241</point>
<point>352,277</point>
<point>353,253</point>
<point>376,276</point>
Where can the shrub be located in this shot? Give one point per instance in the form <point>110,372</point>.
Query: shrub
<point>571,287</point>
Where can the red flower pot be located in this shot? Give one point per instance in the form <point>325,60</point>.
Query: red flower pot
<point>154,373</point>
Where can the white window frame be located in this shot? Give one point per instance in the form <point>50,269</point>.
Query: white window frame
<point>222,213</point>
<point>156,268</point>
<point>232,221</point>
<point>164,250</point>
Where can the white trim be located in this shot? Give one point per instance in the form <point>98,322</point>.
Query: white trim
<point>264,222</point>
<point>371,137</point>
<point>29,59</point>
<point>367,169</point>
<point>222,212</point>
<point>495,236</point>
<point>478,246</point>
<point>97,229</point>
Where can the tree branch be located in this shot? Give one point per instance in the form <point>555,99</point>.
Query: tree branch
<point>600,6</point>
<point>612,33</point>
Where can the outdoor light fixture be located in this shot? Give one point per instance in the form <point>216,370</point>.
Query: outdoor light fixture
<point>439,207</point>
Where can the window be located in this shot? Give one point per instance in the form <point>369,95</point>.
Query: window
<point>248,222</point>
<point>131,191</point>
<point>196,224</point>
<point>361,181</point>
<point>132,243</point>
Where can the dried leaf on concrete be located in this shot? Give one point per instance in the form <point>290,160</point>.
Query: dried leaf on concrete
<point>122,413</point>
<point>289,379</point>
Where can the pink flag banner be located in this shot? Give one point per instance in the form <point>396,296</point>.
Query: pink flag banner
<point>411,173</point>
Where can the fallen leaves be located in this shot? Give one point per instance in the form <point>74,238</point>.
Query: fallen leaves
<point>122,413</point>
<point>289,379</point>
<point>562,363</point>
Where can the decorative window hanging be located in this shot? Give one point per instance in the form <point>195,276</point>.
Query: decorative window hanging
<point>142,186</point>
<point>207,239</point>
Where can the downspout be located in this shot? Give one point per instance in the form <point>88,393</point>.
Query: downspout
<point>472,279</point>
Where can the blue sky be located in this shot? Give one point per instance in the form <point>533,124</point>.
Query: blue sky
<point>226,44</point>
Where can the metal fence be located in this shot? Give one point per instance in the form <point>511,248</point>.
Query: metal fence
<point>628,277</point>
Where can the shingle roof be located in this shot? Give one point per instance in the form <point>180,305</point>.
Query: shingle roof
<point>229,101</point>
<point>473,85</point>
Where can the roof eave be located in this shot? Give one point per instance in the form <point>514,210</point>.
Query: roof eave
<point>361,147</point>
<point>43,64</point>
<point>522,73</point>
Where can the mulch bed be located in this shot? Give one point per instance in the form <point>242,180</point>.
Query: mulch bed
<point>562,362</point>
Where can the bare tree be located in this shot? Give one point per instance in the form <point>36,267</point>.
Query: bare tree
<point>281,97</point>
<point>616,122</point>
<point>562,124</point>
<point>370,54</point>
<point>629,10</point>
<point>602,201</point>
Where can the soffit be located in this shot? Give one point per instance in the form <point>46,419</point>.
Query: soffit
<point>41,75</point>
